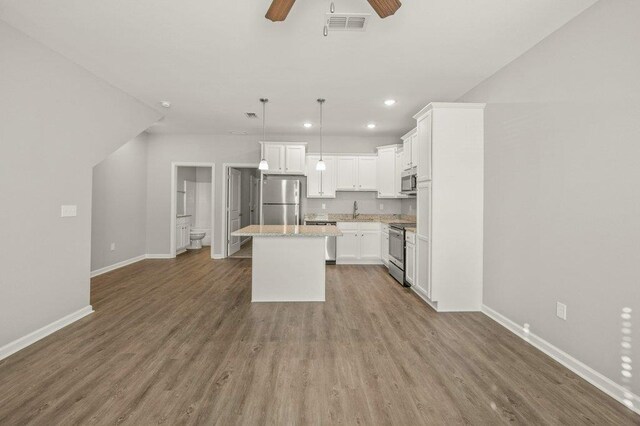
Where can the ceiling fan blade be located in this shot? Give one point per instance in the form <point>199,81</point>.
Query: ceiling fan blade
<point>279,10</point>
<point>385,8</point>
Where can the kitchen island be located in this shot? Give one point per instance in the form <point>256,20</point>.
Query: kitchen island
<point>288,261</point>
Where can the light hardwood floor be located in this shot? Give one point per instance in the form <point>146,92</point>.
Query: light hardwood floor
<point>178,342</point>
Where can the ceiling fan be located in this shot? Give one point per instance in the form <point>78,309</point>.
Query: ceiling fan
<point>279,9</point>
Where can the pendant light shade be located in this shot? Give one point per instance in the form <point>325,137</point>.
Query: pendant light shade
<point>263,162</point>
<point>320,165</point>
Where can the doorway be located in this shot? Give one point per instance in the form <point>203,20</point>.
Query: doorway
<point>192,214</point>
<point>242,207</point>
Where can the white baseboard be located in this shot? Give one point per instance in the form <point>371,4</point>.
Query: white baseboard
<point>117,265</point>
<point>23,342</point>
<point>217,256</point>
<point>158,256</point>
<point>606,385</point>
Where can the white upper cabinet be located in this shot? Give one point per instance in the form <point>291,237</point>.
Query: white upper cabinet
<point>408,147</point>
<point>321,184</point>
<point>423,142</point>
<point>367,176</point>
<point>389,170</point>
<point>347,173</point>
<point>414,150</point>
<point>286,158</point>
<point>294,159</point>
<point>397,181</point>
<point>274,154</point>
<point>356,173</point>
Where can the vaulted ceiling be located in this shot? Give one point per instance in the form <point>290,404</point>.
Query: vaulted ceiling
<point>214,59</point>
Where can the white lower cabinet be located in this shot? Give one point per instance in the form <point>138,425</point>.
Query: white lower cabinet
<point>422,266</point>
<point>384,244</point>
<point>359,244</point>
<point>410,259</point>
<point>183,233</point>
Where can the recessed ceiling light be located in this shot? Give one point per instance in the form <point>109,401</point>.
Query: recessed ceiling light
<point>389,102</point>
<point>371,125</point>
<point>165,104</point>
<point>307,125</point>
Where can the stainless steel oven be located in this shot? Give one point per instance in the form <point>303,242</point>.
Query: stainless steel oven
<point>396,252</point>
<point>409,181</point>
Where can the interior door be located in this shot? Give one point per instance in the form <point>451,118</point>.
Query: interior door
<point>234,210</point>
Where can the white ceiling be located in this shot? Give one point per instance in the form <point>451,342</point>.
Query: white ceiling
<point>214,59</point>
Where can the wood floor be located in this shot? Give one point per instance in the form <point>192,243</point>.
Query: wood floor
<point>245,252</point>
<point>178,342</point>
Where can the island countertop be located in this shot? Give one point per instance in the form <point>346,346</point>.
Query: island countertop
<point>288,231</point>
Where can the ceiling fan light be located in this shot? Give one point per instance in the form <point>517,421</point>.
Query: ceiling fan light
<point>321,166</point>
<point>263,165</point>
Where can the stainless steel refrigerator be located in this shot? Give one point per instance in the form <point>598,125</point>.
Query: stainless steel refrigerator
<point>281,202</point>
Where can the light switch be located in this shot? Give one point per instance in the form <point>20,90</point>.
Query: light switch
<point>381,206</point>
<point>69,211</point>
<point>324,206</point>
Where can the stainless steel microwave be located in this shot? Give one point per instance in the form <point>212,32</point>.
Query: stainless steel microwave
<point>409,181</point>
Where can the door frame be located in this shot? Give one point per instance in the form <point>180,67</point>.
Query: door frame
<point>225,198</point>
<point>174,201</point>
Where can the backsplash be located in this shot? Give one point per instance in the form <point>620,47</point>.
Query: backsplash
<point>409,206</point>
<point>343,203</point>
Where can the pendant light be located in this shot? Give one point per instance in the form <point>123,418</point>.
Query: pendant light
<point>321,166</point>
<point>263,162</point>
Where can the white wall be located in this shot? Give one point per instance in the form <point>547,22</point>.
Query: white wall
<point>119,205</point>
<point>56,122</point>
<point>562,187</point>
<point>220,149</point>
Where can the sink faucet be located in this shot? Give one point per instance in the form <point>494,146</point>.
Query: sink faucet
<point>355,209</point>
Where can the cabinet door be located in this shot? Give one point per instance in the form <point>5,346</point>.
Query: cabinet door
<point>406,154</point>
<point>370,245</point>
<point>423,142</point>
<point>367,175</point>
<point>423,206</point>
<point>423,266</point>
<point>397,179</point>
<point>410,263</point>
<point>386,172</point>
<point>328,178</point>
<point>274,154</point>
<point>348,246</point>
<point>384,248</point>
<point>414,150</point>
<point>313,177</point>
<point>347,170</point>
<point>294,159</point>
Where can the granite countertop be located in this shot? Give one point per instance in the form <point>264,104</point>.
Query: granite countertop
<point>408,229</point>
<point>183,215</point>
<point>347,217</point>
<point>288,231</point>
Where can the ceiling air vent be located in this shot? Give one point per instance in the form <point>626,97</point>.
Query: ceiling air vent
<point>347,21</point>
<point>251,115</point>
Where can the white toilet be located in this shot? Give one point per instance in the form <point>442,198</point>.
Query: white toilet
<point>196,240</point>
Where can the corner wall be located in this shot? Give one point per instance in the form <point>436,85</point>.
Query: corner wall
<point>119,205</point>
<point>562,189</point>
<point>56,122</point>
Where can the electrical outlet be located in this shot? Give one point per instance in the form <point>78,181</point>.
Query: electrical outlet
<point>113,246</point>
<point>324,206</point>
<point>381,206</point>
<point>561,310</point>
<point>68,211</point>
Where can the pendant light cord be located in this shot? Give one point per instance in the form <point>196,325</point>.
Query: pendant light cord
<point>321,101</point>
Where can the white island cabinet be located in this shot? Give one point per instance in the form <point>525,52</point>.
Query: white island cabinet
<point>288,262</point>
